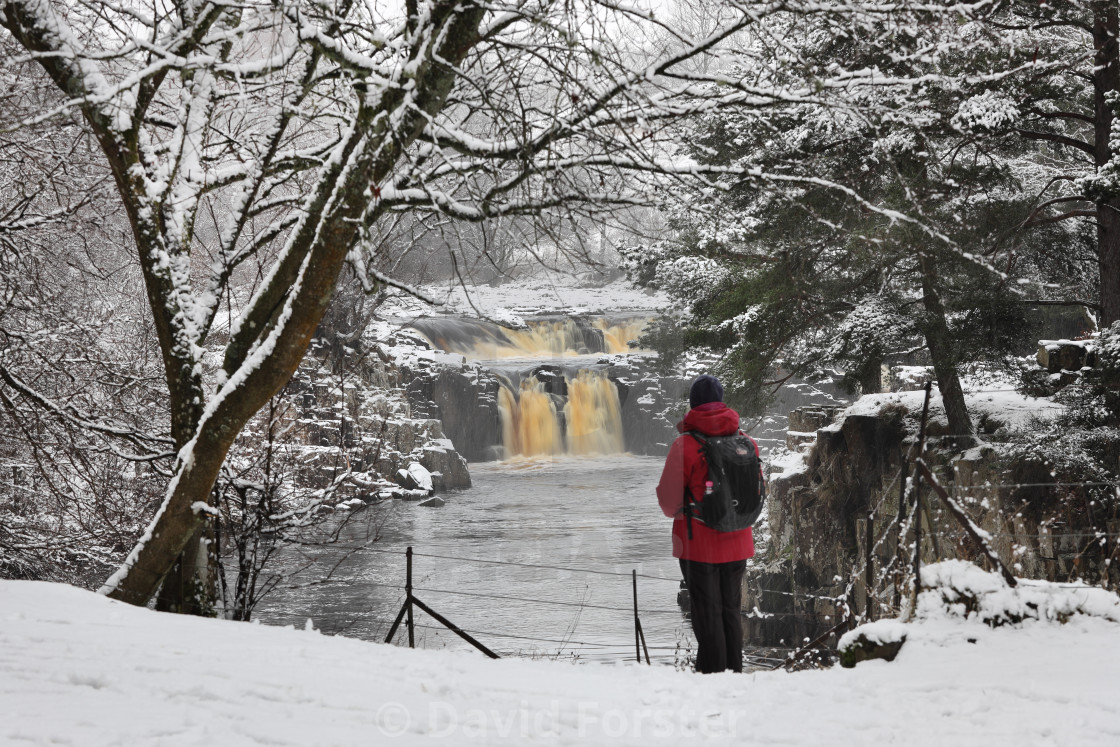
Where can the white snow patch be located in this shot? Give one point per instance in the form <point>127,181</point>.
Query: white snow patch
<point>1006,407</point>
<point>959,588</point>
<point>543,295</point>
<point>77,668</point>
<point>507,318</point>
<point>788,464</point>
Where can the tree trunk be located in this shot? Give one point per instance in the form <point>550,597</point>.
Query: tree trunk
<point>935,327</point>
<point>190,587</point>
<point>1106,84</point>
<point>1108,259</point>
<point>871,376</point>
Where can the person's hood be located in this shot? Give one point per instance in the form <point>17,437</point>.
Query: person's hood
<point>712,419</point>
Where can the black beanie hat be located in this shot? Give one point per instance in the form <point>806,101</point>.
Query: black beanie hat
<point>704,390</point>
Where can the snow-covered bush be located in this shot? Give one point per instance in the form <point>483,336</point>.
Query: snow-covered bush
<point>690,277</point>
<point>956,589</point>
<point>956,592</point>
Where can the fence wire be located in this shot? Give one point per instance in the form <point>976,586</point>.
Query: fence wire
<point>842,600</point>
<point>600,647</point>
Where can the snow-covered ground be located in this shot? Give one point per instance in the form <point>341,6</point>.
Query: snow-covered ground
<point>78,669</point>
<point>545,294</point>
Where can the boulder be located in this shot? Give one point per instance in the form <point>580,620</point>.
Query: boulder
<point>406,480</point>
<point>1063,355</point>
<point>874,641</point>
<point>447,467</point>
<point>421,477</point>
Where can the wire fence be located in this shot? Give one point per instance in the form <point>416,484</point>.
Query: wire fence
<point>574,639</point>
<point>569,643</point>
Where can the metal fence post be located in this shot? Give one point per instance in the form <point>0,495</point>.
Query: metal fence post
<point>639,635</point>
<point>408,597</point>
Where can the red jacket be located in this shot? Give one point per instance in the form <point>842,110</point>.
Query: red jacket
<point>686,465</point>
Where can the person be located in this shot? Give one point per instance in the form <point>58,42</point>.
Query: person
<point>713,562</point>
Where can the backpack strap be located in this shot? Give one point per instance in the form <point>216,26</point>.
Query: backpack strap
<point>758,455</point>
<point>689,499</point>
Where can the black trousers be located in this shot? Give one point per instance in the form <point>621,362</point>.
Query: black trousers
<point>715,593</point>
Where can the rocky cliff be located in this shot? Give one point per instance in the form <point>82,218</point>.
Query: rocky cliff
<point>352,413</point>
<point>830,538</point>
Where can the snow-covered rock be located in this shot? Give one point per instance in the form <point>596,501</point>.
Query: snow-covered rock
<point>958,595</point>
<point>420,476</point>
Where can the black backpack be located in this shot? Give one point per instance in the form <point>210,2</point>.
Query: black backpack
<point>737,493</point>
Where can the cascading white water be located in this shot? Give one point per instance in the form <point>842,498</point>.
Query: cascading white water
<point>530,425</point>
<point>589,423</point>
<point>593,415</point>
<point>543,338</point>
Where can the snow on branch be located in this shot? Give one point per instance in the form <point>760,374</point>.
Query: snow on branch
<point>70,414</point>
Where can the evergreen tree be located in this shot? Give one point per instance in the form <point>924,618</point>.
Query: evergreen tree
<point>910,254</point>
<point>1066,96</point>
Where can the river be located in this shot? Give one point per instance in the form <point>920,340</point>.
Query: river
<point>590,513</point>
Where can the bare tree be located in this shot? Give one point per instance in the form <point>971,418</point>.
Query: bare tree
<point>82,459</point>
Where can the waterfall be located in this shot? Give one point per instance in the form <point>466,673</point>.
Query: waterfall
<point>534,423</point>
<point>530,425</point>
<point>560,407</point>
<point>480,340</point>
<point>618,335</point>
<point>593,415</point>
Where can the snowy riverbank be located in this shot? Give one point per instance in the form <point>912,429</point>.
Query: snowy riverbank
<point>78,669</point>
<point>547,293</point>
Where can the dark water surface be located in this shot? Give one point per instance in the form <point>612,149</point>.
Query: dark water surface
<point>596,513</point>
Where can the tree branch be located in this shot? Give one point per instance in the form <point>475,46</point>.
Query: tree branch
<point>1056,138</point>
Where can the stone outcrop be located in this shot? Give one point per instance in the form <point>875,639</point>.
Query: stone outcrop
<point>836,503</point>
<point>813,517</point>
<point>804,422</point>
<point>464,399</point>
<point>355,416</point>
<point>652,405</point>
